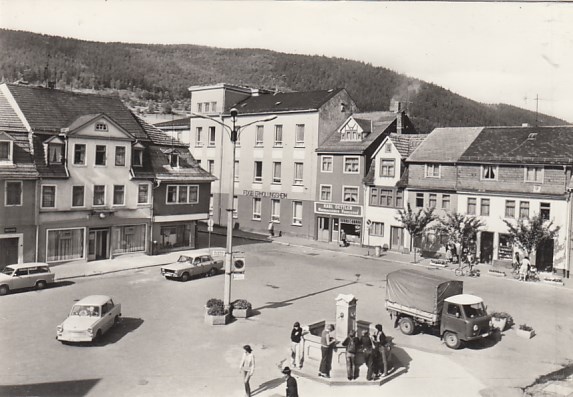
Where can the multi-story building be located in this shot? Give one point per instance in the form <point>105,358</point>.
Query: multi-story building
<point>497,174</point>
<point>275,164</point>
<point>99,170</point>
<point>344,159</point>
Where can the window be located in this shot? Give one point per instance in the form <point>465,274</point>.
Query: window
<point>489,172</point>
<point>118,195</point>
<point>278,135</point>
<point>399,198</point>
<point>78,193</point>
<point>207,107</point>
<point>212,136</point>
<point>445,201</point>
<point>174,160</point>
<point>213,106</point>
<point>484,210</point>
<point>386,198</point>
<point>100,155</point>
<point>351,165</point>
<point>388,147</point>
<point>258,171</point>
<point>350,194</point>
<point>534,174</point>
<point>211,166</point>
<point>199,107</point>
<point>374,196</point>
<point>79,154</point>
<point>13,195</point>
<point>260,135</point>
<point>509,209</point>
<point>65,245</point>
<point>325,193</point>
<point>137,158</point>
<point>99,195</point>
<point>101,127</point>
<point>48,196</point>
<point>419,200</point>
<point>472,203</point>
<point>387,168</point>
<point>5,151</point>
<point>432,170</point>
<point>545,211</point>
<point>235,206</point>
<point>524,209</point>
<point>351,133</point>
<point>377,229</point>
<point>326,164</point>
<point>120,156</point>
<point>182,194</point>
<point>275,210</point>
<point>276,172</point>
<point>198,132</point>
<point>297,213</point>
<point>130,238</point>
<point>298,167</point>
<point>55,153</point>
<point>237,171</point>
<point>299,135</point>
<point>257,209</point>
<point>210,205</point>
<point>433,200</point>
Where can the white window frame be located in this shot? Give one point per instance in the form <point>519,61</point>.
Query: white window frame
<point>482,201</point>
<point>540,171</point>
<point>83,197</point>
<point>104,196</point>
<point>432,167</point>
<point>521,207</point>
<point>85,154</point>
<point>377,229</point>
<point>104,156</point>
<point>297,141</point>
<point>10,158</point>
<point>101,127</point>
<point>357,194</point>
<point>214,107</point>
<point>59,146</point>
<point>199,107</point>
<point>146,196</point>
<point>198,133</point>
<point>297,221</point>
<point>124,156</point>
<point>449,201</point>
<point>387,168</point>
<point>211,166</point>
<point>189,188</point>
<point>475,204</point>
<point>257,201</point>
<point>329,187</point>
<point>42,196</point>
<point>259,140</point>
<point>346,158</point>
<point>275,210</point>
<point>298,179</point>
<point>494,169</point>
<point>258,179</point>
<point>84,249</point>
<point>277,179</point>
<point>113,198</point>
<point>278,143</point>
<point>6,194</point>
<point>322,158</point>
<point>212,136</point>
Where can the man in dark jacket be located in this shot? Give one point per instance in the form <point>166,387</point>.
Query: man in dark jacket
<point>291,386</point>
<point>351,342</point>
<point>366,347</point>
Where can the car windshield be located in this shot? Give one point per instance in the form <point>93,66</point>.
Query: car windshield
<point>7,270</point>
<point>183,258</point>
<point>475,310</point>
<point>85,311</point>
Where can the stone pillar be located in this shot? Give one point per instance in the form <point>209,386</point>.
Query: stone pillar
<point>345,316</point>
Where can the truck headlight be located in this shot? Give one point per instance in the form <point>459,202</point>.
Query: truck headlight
<point>60,328</point>
<point>476,327</point>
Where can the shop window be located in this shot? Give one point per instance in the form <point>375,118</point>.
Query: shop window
<point>65,244</point>
<point>128,239</point>
<point>175,236</point>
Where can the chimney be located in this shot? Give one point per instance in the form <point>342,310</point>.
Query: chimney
<point>399,123</point>
<point>396,106</point>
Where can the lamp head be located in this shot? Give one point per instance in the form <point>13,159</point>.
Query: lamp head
<point>234,112</point>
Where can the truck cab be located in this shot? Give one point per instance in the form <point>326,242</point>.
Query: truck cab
<point>464,318</point>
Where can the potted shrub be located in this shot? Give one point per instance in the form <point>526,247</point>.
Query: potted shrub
<point>501,320</point>
<point>215,313</point>
<point>241,308</point>
<point>525,331</point>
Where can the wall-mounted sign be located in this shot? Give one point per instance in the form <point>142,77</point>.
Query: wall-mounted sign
<point>9,230</point>
<point>256,193</point>
<point>338,209</point>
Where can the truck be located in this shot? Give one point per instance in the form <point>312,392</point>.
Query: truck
<point>417,299</point>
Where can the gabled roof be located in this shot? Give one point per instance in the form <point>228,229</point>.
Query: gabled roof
<point>285,101</point>
<point>529,145</point>
<point>406,144</point>
<point>189,170</point>
<point>445,145</point>
<point>159,137</point>
<point>185,122</point>
<point>9,120</point>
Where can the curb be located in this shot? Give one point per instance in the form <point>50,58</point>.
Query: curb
<point>108,272</point>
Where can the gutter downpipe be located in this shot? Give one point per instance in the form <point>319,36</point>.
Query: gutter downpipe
<point>568,235</point>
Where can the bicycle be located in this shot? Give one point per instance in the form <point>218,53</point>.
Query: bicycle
<point>467,269</point>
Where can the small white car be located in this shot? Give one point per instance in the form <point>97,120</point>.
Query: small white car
<point>192,266</point>
<point>89,319</point>
<point>25,275</point>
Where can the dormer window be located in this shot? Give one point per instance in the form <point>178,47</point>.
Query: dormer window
<point>101,127</point>
<point>351,133</point>
<point>55,153</point>
<point>174,160</point>
<point>137,157</point>
<point>6,148</point>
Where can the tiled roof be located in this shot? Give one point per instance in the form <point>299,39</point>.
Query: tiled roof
<point>188,170</point>
<point>45,170</point>
<point>23,165</point>
<point>445,145</point>
<point>9,120</point>
<point>407,143</point>
<point>534,145</point>
<point>159,137</point>
<point>184,122</point>
<point>284,101</point>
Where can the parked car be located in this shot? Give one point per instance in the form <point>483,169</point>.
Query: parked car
<point>25,275</point>
<point>89,319</point>
<point>189,266</point>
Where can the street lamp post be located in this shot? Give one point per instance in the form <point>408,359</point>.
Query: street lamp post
<point>234,133</point>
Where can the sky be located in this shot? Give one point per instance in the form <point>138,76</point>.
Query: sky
<point>492,52</point>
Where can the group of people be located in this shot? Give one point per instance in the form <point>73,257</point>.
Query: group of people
<point>374,349</point>
<point>523,266</point>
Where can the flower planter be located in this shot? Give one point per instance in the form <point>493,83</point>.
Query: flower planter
<point>552,281</point>
<point>438,262</point>
<point>525,334</point>
<point>217,319</point>
<point>499,323</point>
<point>242,313</point>
<point>497,273</point>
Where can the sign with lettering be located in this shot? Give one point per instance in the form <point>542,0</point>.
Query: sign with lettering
<point>9,230</point>
<point>338,209</point>
<point>256,193</point>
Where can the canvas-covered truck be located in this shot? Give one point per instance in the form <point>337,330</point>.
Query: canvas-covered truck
<point>415,298</point>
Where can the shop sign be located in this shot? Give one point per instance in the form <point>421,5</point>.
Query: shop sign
<point>256,193</point>
<point>338,209</point>
<point>9,230</point>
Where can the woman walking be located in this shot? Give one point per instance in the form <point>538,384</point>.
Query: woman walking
<point>247,368</point>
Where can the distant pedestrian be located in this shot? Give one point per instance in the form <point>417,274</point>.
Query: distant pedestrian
<point>296,345</point>
<point>327,342</point>
<point>448,253</point>
<point>366,348</point>
<point>291,386</point>
<point>351,342</point>
<point>516,262</point>
<point>247,368</point>
<point>271,229</point>
<point>343,241</point>
<point>381,364</point>
<point>524,269</point>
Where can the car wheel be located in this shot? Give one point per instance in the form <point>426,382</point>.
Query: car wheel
<point>452,340</point>
<point>185,277</point>
<point>98,336</point>
<point>41,284</point>
<point>407,326</point>
<point>212,272</point>
<point>4,289</point>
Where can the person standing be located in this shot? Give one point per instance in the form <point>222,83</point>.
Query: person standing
<point>366,349</point>
<point>271,229</point>
<point>380,346</point>
<point>516,262</point>
<point>343,238</point>
<point>291,385</point>
<point>351,342</point>
<point>247,368</point>
<point>327,343</point>
<point>296,345</point>
<point>524,268</point>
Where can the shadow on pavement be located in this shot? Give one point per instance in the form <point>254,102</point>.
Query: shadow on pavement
<point>485,343</point>
<point>64,283</point>
<point>50,389</point>
<point>268,385</point>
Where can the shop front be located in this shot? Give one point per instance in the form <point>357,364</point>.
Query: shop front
<point>333,219</point>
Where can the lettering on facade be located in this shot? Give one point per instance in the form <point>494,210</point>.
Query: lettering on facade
<point>338,209</point>
<point>256,193</point>
<point>9,230</point>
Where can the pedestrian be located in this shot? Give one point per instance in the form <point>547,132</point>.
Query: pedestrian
<point>381,366</point>
<point>271,229</point>
<point>516,261</point>
<point>351,343</point>
<point>524,269</point>
<point>343,238</point>
<point>366,349</point>
<point>296,344</point>
<point>327,342</point>
<point>247,368</point>
<point>455,258</point>
<point>291,386</point>
<point>448,253</point>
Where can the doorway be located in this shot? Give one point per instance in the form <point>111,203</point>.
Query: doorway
<point>396,238</point>
<point>323,229</point>
<point>486,247</point>
<point>98,244</point>
<point>8,251</point>
<point>544,256</point>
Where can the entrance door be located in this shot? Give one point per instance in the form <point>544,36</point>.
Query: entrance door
<point>486,249</point>
<point>8,251</point>
<point>396,238</point>
<point>544,256</point>
<point>323,229</point>
<point>98,245</point>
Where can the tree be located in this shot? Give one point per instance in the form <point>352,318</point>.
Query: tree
<point>461,229</point>
<point>415,222</point>
<point>530,233</point>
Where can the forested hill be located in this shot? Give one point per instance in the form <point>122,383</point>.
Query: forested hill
<point>156,77</point>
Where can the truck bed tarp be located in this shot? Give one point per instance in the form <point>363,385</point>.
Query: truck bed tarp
<point>420,290</point>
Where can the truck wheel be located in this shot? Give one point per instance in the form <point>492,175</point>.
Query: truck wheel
<point>407,326</point>
<point>452,340</point>
<point>185,277</point>
<point>41,284</point>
